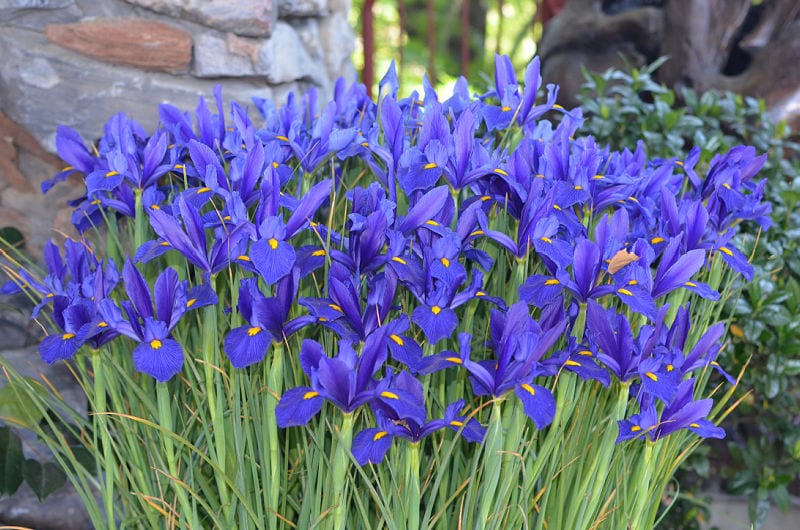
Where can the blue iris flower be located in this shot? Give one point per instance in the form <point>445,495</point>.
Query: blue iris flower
<point>347,381</point>
<point>158,353</point>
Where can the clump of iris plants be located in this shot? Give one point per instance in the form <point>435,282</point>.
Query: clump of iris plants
<point>405,313</point>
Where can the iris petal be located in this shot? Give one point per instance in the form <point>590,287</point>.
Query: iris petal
<point>297,406</point>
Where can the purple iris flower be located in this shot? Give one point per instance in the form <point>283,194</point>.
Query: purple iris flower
<point>267,320</point>
<point>371,445</point>
<point>188,236</point>
<point>347,380</point>
<point>519,344</point>
<point>149,324</point>
<point>682,412</point>
<point>272,255</point>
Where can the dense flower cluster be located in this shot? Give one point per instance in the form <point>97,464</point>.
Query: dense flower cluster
<point>401,227</point>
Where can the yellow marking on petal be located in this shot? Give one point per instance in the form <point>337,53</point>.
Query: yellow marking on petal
<point>430,165</point>
<point>456,423</point>
<point>480,293</point>
<point>243,258</point>
<point>546,239</point>
<point>633,282</point>
<point>379,435</point>
<point>436,310</point>
<point>694,425</point>
<point>203,190</point>
<point>652,376</point>
<point>49,295</point>
<point>318,253</point>
<point>155,207</point>
<point>570,362</point>
<point>281,138</point>
<point>255,330</point>
<point>155,344</point>
<point>364,144</point>
<point>552,281</point>
<point>679,162</point>
<point>335,308</point>
<point>557,207</point>
<point>578,187</point>
<point>529,388</point>
<point>656,240</point>
<point>632,198</point>
<point>190,302</point>
<point>714,363</point>
<point>401,261</point>
<point>454,360</point>
<point>180,166</point>
<point>557,106</point>
<point>164,243</point>
<point>635,428</point>
<point>171,146</point>
<point>501,172</point>
<point>670,368</point>
<point>67,336</point>
<point>311,394</point>
<point>112,173</point>
<point>431,222</point>
<point>397,339</point>
<point>539,175</point>
<point>690,284</point>
<point>625,292</point>
<point>273,243</point>
<point>389,395</point>
<point>477,233</point>
<point>486,198</point>
<point>726,185</point>
<point>726,250</point>
<point>226,218</point>
<point>323,319</point>
<point>102,324</point>
<point>275,165</point>
<point>68,168</point>
<point>95,202</point>
<point>598,177</point>
<point>505,108</point>
<point>446,262</point>
<point>586,353</point>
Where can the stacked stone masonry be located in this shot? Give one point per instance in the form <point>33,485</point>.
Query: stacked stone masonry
<point>78,62</point>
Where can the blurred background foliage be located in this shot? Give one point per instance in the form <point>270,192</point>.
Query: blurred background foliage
<point>425,36</point>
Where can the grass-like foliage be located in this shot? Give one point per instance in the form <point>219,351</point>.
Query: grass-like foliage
<point>413,313</point>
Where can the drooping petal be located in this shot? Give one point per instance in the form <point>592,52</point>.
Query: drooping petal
<point>297,406</point>
<point>247,345</point>
<point>436,322</point>
<point>160,358</point>
<point>57,347</point>
<point>538,403</point>
<point>273,259</point>
<point>371,445</point>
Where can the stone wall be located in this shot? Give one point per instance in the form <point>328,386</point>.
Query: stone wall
<point>78,62</point>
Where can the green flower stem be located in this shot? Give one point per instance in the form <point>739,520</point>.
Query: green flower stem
<point>185,508</point>
<point>103,439</point>
<point>214,388</point>
<point>273,392</point>
<point>341,462</point>
<point>492,462</point>
<point>642,482</point>
<point>413,497</point>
